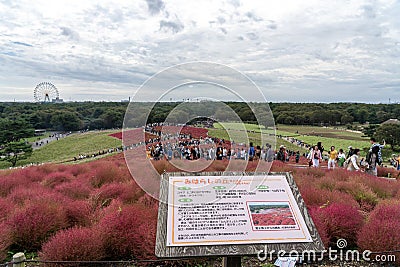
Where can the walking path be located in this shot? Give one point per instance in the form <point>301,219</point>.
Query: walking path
<point>53,137</point>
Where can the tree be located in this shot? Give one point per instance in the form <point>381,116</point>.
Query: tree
<point>15,151</point>
<point>370,130</point>
<point>345,119</point>
<point>390,133</point>
<point>12,148</point>
<point>113,118</point>
<point>14,130</point>
<point>66,121</point>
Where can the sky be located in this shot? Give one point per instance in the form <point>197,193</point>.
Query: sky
<point>294,51</point>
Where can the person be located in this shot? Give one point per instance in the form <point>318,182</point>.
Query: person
<point>354,161</point>
<point>258,152</point>
<point>281,154</point>
<point>219,152</point>
<point>252,151</point>
<point>297,157</point>
<point>315,156</point>
<point>374,156</point>
<point>351,151</point>
<point>320,147</point>
<point>270,153</point>
<point>341,158</point>
<point>332,158</point>
<point>398,163</point>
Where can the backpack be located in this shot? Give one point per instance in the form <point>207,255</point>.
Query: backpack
<point>374,150</point>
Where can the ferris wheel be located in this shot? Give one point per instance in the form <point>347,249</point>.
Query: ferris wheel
<point>45,92</point>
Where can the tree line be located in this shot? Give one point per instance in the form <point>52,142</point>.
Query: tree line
<point>106,115</point>
<point>19,120</point>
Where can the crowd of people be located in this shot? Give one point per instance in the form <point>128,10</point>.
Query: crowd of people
<point>185,147</point>
<point>352,161</point>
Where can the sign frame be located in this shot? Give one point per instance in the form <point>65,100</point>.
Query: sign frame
<point>164,251</point>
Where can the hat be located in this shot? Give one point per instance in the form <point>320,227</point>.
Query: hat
<point>350,147</point>
<point>281,146</point>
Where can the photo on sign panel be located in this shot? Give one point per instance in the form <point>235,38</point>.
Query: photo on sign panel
<point>270,213</point>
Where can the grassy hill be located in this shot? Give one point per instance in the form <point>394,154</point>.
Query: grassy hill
<point>69,147</point>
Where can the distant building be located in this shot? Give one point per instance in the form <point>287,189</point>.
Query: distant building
<point>57,100</point>
<point>40,132</point>
<point>391,121</point>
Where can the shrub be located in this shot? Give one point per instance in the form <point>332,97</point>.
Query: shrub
<point>5,240</point>
<point>78,213</point>
<point>22,194</point>
<point>381,187</point>
<point>78,169</point>
<point>361,193</point>
<point>33,224</point>
<point>339,221</point>
<point>75,189</point>
<point>319,221</point>
<point>6,207</point>
<point>384,172</point>
<point>8,183</point>
<point>127,192</point>
<point>104,174</point>
<point>382,230</point>
<point>126,234</point>
<point>56,178</point>
<point>72,245</point>
<point>319,197</point>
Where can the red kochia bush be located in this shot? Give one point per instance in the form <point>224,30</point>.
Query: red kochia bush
<point>107,173</point>
<point>34,223</point>
<point>35,192</point>
<point>75,189</point>
<point>78,213</point>
<point>56,178</point>
<point>383,172</point>
<point>5,240</point>
<point>6,207</point>
<point>128,232</point>
<point>319,221</point>
<point>339,221</point>
<point>8,183</point>
<point>126,192</point>
<point>74,244</point>
<point>318,197</point>
<point>382,230</point>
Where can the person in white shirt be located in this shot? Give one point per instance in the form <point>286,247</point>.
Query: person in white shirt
<point>354,162</point>
<point>315,156</point>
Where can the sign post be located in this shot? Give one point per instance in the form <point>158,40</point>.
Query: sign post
<point>231,215</point>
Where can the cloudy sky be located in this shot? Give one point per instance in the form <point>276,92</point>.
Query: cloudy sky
<point>296,51</point>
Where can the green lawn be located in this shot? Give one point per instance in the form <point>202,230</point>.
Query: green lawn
<point>333,132</point>
<point>238,126</point>
<point>339,137</point>
<point>240,137</point>
<point>71,146</point>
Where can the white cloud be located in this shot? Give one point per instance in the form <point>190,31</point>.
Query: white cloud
<point>294,50</point>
